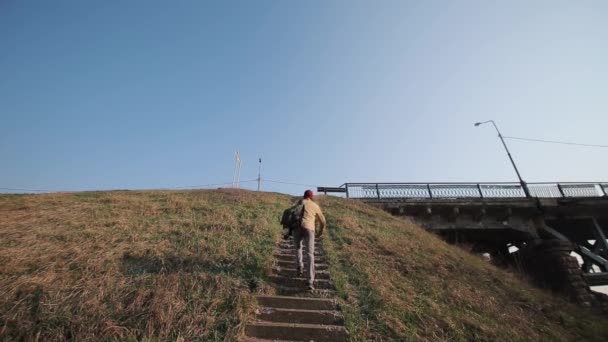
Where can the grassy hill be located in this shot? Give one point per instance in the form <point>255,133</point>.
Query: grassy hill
<point>185,265</point>
<point>403,283</point>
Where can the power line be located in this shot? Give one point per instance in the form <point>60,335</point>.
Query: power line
<point>288,183</point>
<point>166,188</point>
<point>209,185</point>
<point>32,190</point>
<point>555,142</point>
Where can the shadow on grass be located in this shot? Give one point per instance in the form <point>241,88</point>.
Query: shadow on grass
<point>133,265</point>
<point>142,264</point>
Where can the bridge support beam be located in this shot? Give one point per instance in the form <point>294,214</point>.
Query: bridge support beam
<point>601,244</point>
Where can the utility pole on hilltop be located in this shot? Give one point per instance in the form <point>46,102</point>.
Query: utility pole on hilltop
<point>260,175</point>
<point>236,177</point>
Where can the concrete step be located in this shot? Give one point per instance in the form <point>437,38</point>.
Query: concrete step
<point>326,317</point>
<point>290,242</point>
<point>255,339</point>
<point>292,264</point>
<point>292,257</point>
<point>292,252</point>
<point>302,303</point>
<point>301,282</point>
<point>290,245</point>
<point>296,332</point>
<point>304,292</point>
<point>290,239</point>
<point>293,273</point>
<point>317,247</point>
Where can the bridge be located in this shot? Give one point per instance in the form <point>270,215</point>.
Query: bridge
<point>495,190</point>
<point>534,230</point>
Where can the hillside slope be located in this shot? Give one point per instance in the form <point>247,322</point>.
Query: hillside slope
<point>402,283</point>
<point>185,265</point>
<point>128,264</point>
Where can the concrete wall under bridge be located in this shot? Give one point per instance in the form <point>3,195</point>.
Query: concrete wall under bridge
<point>538,235</point>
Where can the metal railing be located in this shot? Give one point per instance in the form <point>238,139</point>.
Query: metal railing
<point>387,191</point>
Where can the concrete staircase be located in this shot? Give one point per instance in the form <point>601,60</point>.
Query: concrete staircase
<point>297,314</point>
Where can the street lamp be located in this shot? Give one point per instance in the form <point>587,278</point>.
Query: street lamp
<point>521,181</point>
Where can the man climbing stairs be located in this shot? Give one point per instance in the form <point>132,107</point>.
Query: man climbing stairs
<point>296,313</point>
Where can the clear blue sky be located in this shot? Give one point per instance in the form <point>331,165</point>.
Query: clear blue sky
<point>151,94</point>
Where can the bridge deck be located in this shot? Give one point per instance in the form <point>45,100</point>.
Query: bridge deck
<point>472,190</point>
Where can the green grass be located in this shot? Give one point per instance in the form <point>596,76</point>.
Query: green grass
<point>167,265</point>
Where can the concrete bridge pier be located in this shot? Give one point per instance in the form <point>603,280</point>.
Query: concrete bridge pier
<point>550,264</point>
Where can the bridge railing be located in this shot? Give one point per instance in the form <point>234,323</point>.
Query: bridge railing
<point>388,191</point>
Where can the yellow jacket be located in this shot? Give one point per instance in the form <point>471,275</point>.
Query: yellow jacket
<point>312,213</point>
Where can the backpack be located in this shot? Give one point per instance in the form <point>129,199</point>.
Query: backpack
<point>297,214</point>
<point>286,218</point>
<point>292,219</point>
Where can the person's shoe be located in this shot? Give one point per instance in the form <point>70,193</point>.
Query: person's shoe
<point>311,287</point>
<point>300,273</point>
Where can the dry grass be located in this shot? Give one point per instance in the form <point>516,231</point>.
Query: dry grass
<point>161,265</point>
<point>133,265</point>
<point>398,282</point>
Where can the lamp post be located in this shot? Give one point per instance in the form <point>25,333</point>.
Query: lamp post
<point>521,181</point>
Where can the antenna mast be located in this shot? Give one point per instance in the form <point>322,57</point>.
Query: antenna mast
<point>260,175</point>
<point>236,178</point>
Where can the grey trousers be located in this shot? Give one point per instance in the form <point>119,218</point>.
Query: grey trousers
<point>308,238</point>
